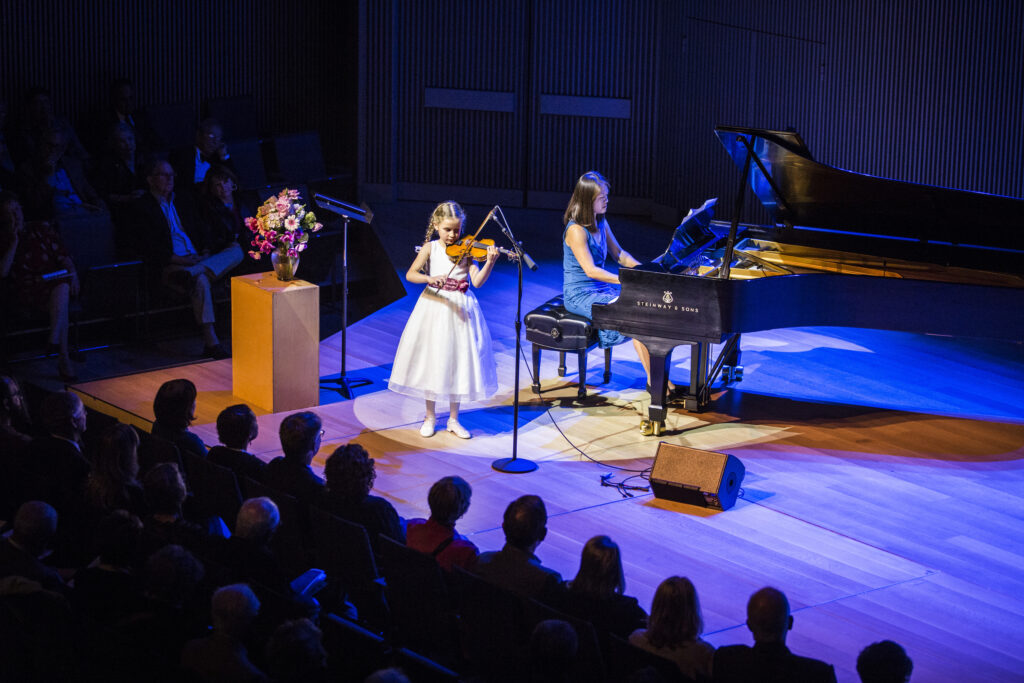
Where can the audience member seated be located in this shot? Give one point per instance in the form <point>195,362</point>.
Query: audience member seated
<point>36,120</point>
<point>769,621</point>
<point>113,482</point>
<point>54,185</point>
<point>174,408</point>
<point>174,240</point>
<point>515,566</point>
<point>674,629</point>
<point>222,656</point>
<point>290,473</point>
<point>150,640</point>
<point>120,110</point>
<point>22,552</point>
<point>884,662</point>
<point>109,589</point>
<point>57,469</point>
<point>295,653</point>
<point>553,647</point>
<point>236,429</point>
<point>448,500</point>
<point>225,213</point>
<point>350,473</point>
<point>597,594</point>
<point>118,180</point>
<point>193,163</point>
<point>248,556</point>
<point>31,258</point>
<point>14,444</point>
<point>166,525</point>
<point>390,675</point>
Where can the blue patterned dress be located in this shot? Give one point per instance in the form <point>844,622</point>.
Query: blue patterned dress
<point>580,291</point>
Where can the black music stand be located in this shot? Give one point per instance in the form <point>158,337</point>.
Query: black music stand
<point>515,464</point>
<point>346,212</point>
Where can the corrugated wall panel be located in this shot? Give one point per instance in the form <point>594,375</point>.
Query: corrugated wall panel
<point>458,45</point>
<point>925,92</point>
<point>595,48</point>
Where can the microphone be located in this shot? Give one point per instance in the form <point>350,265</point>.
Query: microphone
<point>530,263</point>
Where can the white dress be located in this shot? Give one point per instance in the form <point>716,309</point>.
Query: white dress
<point>445,351</point>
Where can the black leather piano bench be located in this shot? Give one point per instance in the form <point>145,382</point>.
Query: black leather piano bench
<point>550,326</point>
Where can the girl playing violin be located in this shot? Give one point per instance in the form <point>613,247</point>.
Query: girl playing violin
<point>445,351</point>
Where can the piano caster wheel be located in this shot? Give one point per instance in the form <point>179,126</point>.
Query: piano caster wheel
<point>732,373</point>
<point>649,428</point>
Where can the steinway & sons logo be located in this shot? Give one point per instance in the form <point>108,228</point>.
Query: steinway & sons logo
<point>667,303</point>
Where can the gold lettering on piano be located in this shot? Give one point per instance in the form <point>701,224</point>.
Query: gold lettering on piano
<point>668,306</point>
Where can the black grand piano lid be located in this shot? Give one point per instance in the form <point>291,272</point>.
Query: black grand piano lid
<point>814,195</point>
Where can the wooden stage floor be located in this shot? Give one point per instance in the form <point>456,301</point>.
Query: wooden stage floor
<point>884,490</point>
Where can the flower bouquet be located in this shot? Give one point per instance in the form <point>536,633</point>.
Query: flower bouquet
<point>281,228</point>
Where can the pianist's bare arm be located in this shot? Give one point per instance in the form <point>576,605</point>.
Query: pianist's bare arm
<point>576,238</point>
<point>618,254</point>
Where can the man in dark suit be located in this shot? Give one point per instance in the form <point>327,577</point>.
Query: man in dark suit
<point>769,621</point>
<point>290,473</point>
<point>173,239</point>
<point>56,468</point>
<point>236,428</point>
<point>192,164</point>
<point>515,567</point>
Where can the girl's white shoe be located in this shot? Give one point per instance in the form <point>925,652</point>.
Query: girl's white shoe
<point>458,430</point>
<point>427,429</point>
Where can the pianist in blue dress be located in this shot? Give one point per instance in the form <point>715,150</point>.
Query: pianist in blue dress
<point>587,244</point>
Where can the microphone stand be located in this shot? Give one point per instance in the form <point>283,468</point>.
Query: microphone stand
<point>516,465</point>
<point>346,212</point>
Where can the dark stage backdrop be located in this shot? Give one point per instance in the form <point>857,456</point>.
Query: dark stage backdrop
<point>511,100</point>
<point>296,58</point>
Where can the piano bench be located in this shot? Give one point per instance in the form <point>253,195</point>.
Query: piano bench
<point>550,326</point>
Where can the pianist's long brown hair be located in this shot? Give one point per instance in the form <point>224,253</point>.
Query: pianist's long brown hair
<point>581,206</point>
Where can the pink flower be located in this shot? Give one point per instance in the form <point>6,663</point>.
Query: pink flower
<point>266,247</point>
<point>291,194</point>
<point>291,223</point>
<point>293,252</point>
<point>317,226</point>
<point>255,255</point>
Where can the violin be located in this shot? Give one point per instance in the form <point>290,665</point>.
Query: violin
<point>474,249</point>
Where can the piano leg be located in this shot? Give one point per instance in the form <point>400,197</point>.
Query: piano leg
<point>696,397</point>
<point>536,369</point>
<point>661,355</point>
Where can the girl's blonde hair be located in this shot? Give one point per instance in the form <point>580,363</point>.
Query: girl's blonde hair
<point>444,211</point>
<point>581,206</point>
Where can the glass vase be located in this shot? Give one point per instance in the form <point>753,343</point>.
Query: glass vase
<point>284,265</point>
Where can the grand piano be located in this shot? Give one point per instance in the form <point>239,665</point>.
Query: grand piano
<point>844,249</point>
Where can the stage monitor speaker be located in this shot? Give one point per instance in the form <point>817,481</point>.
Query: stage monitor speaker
<point>696,477</point>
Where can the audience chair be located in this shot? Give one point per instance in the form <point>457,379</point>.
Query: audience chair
<point>153,450</point>
<point>589,662</point>
<point>422,669</point>
<point>300,160</point>
<point>174,124</point>
<point>550,326</point>
<point>624,660</point>
<point>494,628</point>
<point>214,487</point>
<point>237,115</point>
<point>353,652</point>
<point>250,167</point>
<point>422,613</point>
<point>345,554</point>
